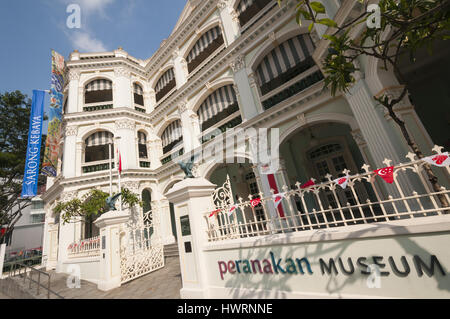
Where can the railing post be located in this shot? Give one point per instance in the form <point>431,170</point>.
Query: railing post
<point>192,198</point>
<point>110,272</point>
<point>48,287</point>
<point>39,282</point>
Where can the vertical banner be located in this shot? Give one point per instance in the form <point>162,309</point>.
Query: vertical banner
<point>31,174</point>
<point>50,163</point>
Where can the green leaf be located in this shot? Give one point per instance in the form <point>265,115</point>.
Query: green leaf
<point>327,22</point>
<point>310,26</point>
<point>317,7</point>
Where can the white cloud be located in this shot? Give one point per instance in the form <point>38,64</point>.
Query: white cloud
<point>91,6</point>
<point>85,42</point>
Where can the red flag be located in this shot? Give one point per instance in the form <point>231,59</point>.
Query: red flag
<point>342,181</point>
<point>214,212</point>
<point>232,209</point>
<point>440,160</point>
<point>120,163</point>
<point>277,198</point>
<point>255,202</point>
<point>308,184</point>
<point>386,173</point>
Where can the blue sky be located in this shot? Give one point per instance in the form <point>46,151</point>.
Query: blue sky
<point>29,29</point>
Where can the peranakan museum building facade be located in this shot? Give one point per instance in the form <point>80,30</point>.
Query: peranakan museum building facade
<point>239,64</point>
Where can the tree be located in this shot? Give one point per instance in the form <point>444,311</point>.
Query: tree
<point>394,28</point>
<point>92,205</point>
<point>15,109</point>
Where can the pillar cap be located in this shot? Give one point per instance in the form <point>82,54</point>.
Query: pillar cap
<point>112,218</point>
<point>190,188</point>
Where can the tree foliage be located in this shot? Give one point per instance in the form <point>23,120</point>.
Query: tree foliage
<point>404,28</point>
<point>15,108</point>
<point>92,205</point>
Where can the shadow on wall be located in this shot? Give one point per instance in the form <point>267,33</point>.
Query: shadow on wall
<point>277,286</point>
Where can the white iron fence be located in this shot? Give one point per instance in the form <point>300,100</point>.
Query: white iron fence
<point>85,248</point>
<point>329,205</point>
<point>141,249</point>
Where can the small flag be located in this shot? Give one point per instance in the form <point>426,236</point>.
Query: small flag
<point>232,209</point>
<point>277,198</point>
<point>342,181</point>
<point>120,163</point>
<point>308,184</point>
<point>214,212</point>
<point>386,173</point>
<point>255,202</point>
<point>440,160</point>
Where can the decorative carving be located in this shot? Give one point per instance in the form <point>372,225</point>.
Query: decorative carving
<point>273,37</point>
<point>238,63</point>
<point>301,119</point>
<point>72,131</point>
<point>358,137</point>
<point>125,124</point>
<point>132,186</point>
<point>73,75</point>
<point>222,4</point>
<point>182,107</point>
<point>68,196</point>
<point>234,16</point>
<point>122,72</point>
<point>175,54</point>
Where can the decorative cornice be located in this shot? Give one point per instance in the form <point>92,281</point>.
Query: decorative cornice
<point>72,131</point>
<point>122,72</point>
<point>125,124</point>
<point>73,75</point>
<point>238,63</point>
<point>222,4</point>
<point>182,107</point>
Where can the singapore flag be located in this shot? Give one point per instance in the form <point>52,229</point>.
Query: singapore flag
<point>440,160</point>
<point>277,198</point>
<point>342,181</point>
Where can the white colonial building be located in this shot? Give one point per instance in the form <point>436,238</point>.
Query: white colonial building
<point>227,64</point>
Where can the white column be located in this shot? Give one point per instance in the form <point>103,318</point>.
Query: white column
<point>163,208</point>
<point>247,104</point>
<point>192,198</point>
<point>73,97</point>
<point>374,128</point>
<point>123,94</point>
<point>230,22</point>
<point>70,152</point>
<point>180,68</point>
<point>109,268</point>
<point>126,131</point>
<point>190,127</point>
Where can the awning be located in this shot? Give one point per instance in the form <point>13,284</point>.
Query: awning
<point>142,138</point>
<point>138,89</point>
<point>284,57</point>
<point>165,79</point>
<point>99,85</point>
<point>100,138</point>
<point>243,5</point>
<point>205,40</point>
<point>215,103</point>
<point>172,133</point>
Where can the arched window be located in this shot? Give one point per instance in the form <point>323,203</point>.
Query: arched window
<point>165,84</point>
<point>291,59</point>
<point>97,147</point>
<point>247,9</point>
<point>217,106</point>
<point>210,41</point>
<point>138,94</point>
<point>142,144</point>
<point>171,136</point>
<point>146,201</point>
<point>98,91</point>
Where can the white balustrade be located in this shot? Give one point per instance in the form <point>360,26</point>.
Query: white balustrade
<point>85,248</point>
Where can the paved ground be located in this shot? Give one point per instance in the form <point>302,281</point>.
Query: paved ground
<point>2,296</point>
<point>161,284</point>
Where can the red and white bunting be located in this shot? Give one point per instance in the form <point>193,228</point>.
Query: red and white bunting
<point>255,202</point>
<point>308,184</point>
<point>232,209</point>
<point>342,181</point>
<point>386,173</point>
<point>214,212</point>
<point>440,160</point>
<point>277,198</point>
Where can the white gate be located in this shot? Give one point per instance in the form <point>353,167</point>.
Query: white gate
<point>141,248</point>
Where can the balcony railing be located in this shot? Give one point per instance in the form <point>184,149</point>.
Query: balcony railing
<point>139,109</point>
<point>144,164</point>
<point>85,248</point>
<point>174,153</point>
<point>96,166</point>
<point>98,107</point>
<point>230,122</point>
<point>328,205</point>
<point>283,93</point>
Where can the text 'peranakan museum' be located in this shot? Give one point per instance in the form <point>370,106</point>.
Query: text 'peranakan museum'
<point>319,225</point>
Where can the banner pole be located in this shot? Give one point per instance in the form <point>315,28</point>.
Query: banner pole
<point>110,170</point>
